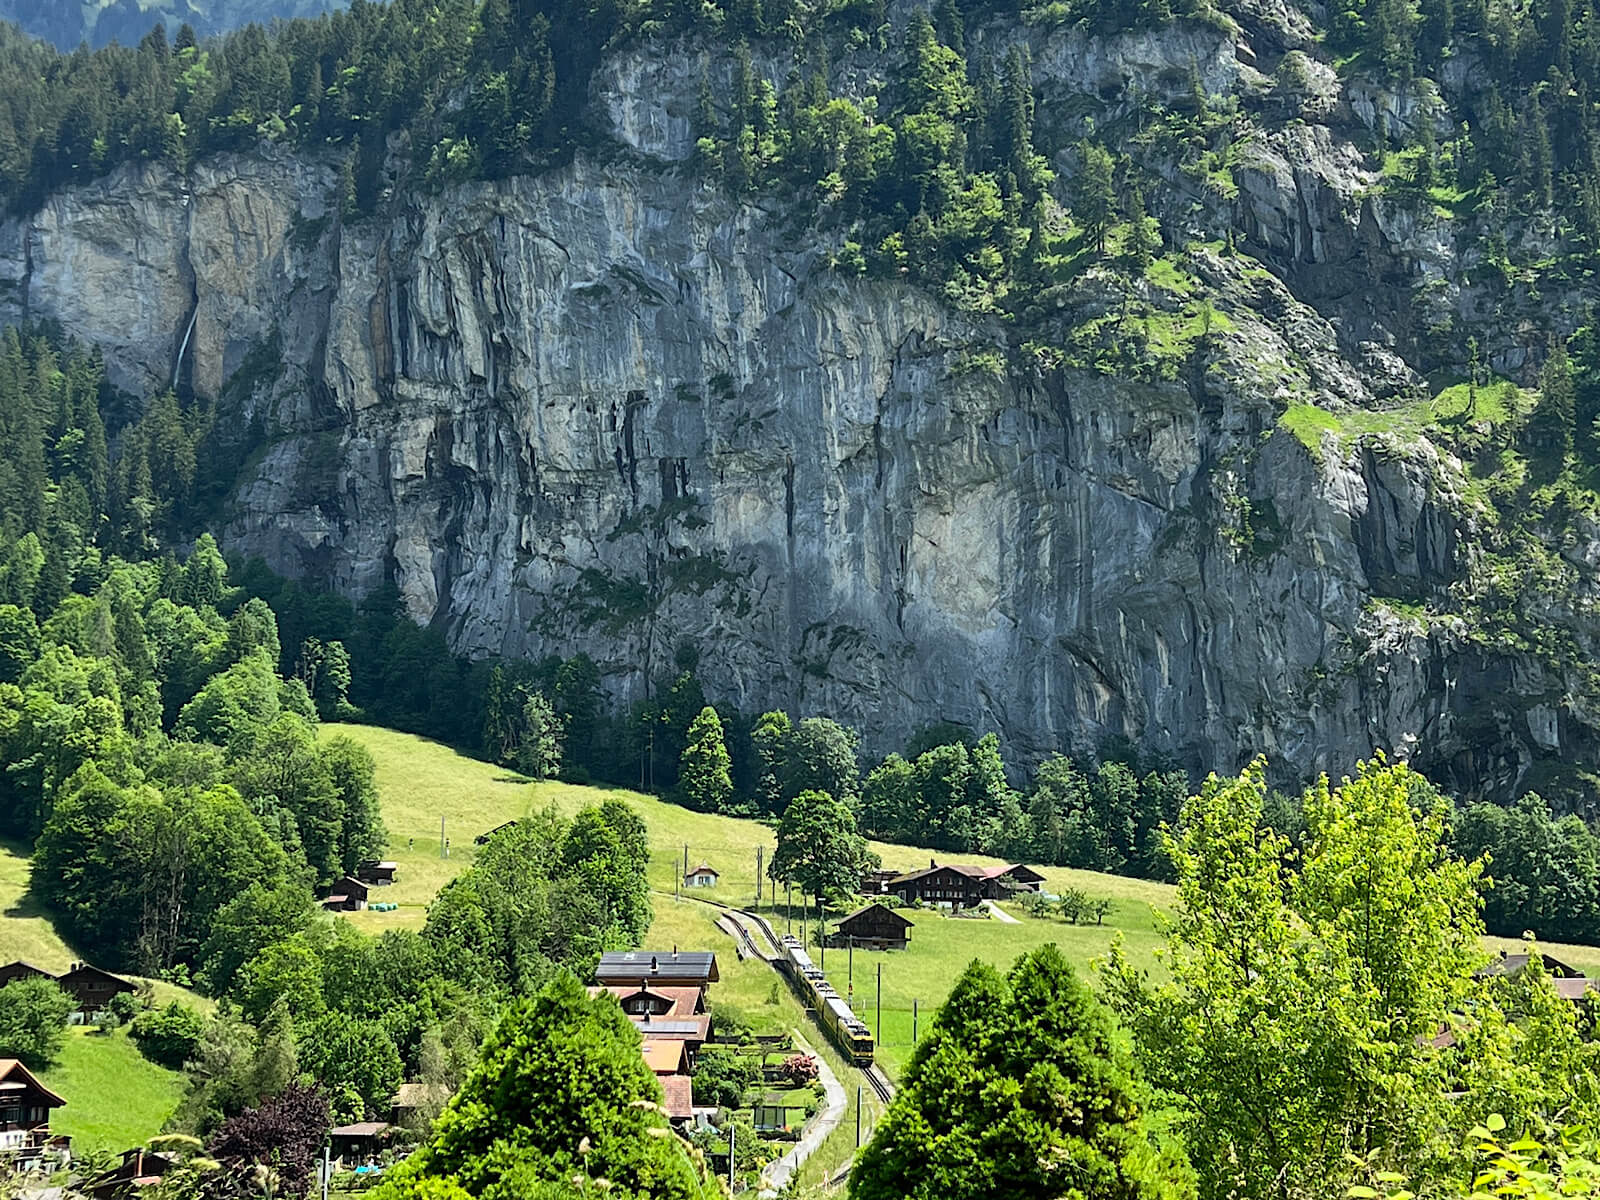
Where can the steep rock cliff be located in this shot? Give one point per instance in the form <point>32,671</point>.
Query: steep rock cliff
<point>609,408</point>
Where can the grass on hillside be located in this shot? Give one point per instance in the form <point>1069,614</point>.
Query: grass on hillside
<point>116,1097</point>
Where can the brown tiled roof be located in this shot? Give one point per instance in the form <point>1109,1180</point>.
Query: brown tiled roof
<point>678,1029</point>
<point>1575,989</point>
<point>678,1093</point>
<point>360,1129</point>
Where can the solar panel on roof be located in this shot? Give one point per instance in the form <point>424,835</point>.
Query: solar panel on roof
<point>657,1025</point>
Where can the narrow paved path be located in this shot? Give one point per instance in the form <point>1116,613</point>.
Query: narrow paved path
<point>1000,914</point>
<point>776,1175</point>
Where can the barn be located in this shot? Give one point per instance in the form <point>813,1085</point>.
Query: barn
<point>874,927</point>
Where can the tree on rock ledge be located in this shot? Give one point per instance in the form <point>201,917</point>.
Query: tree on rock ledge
<point>1021,1089</point>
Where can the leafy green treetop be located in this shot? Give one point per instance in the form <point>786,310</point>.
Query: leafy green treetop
<point>818,846</point>
<point>705,776</point>
<point>33,1020</point>
<point>1022,1088</point>
<point>560,1090</point>
<point>1296,1028</point>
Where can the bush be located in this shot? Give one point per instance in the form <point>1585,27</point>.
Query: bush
<point>731,1024</point>
<point>722,1076</point>
<point>125,1006</point>
<point>33,1021</point>
<point>168,1036</point>
<point>800,1069</point>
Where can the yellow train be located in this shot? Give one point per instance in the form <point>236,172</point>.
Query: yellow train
<point>847,1030</point>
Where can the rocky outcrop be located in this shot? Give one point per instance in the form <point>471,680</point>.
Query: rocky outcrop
<point>609,409</point>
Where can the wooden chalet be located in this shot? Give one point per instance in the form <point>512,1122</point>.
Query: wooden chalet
<point>14,971</point>
<point>91,988</point>
<point>874,927</point>
<point>653,968</point>
<point>953,885</point>
<point>25,1107</point>
<point>376,873</point>
<point>346,895</point>
<point>703,876</point>
<point>876,882</point>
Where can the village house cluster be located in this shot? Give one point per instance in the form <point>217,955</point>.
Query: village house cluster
<point>664,995</point>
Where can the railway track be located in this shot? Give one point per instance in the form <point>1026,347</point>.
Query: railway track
<point>879,1082</point>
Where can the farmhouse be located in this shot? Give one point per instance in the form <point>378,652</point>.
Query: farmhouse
<point>703,876</point>
<point>346,895</point>
<point>91,988</point>
<point>25,1106</point>
<point>687,968</point>
<point>875,927</point>
<point>1568,981</point>
<point>953,885</point>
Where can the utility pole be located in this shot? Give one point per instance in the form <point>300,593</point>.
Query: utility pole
<point>788,907</point>
<point>879,999</point>
<point>822,933</point>
<point>850,968</point>
<point>730,1155</point>
<point>759,851</point>
<point>441,835</point>
<point>913,1022</point>
<point>858,1120</point>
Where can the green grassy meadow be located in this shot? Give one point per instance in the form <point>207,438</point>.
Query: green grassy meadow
<point>116,1097</point>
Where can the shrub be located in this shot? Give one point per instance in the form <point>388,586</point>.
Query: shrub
<point>168,1036</point>
<point>800,1069</point>
<point>33,1020</point>
<point>722,1077</point>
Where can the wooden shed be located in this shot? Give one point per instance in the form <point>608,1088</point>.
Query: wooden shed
<point>874,927</point>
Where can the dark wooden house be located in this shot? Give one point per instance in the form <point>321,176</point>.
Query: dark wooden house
<point>91,988</point>
<point>376,873</point>
<point>875,927</point>
<point>25,1108</point>
<point>954,885</point>
<point>346,895</point>
<point>652,968</point>
<point>14,971</point>
<point>354,1144</point>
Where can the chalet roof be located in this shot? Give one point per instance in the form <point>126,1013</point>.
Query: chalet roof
<point>969,871</point>
<point>1576,988</point>
<point>378,864</point>
<point>86,971</point>
<point>27,966</point>
<point>620,966</point>
<point>361,1129</point>
<point>1511,964</point>
<point>682,1001</point>
<point>666,1056</point>
<point>350,886</point>
<point>418,1095</point>
<point>703,869</point>
<point>12,1068</point>
<point>876,911</point>
<point>678,1096</point>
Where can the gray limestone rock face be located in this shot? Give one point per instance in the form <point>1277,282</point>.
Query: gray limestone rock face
<point>607,408</point>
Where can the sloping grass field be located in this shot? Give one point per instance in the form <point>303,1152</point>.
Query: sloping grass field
<point>116,1097</point>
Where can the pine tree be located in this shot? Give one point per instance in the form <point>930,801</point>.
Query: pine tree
<point>1550,427</point>
<point>1022,1088</point>
<point>705,776</point>
<point>1141,246</point>
<point>1093,197</point>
